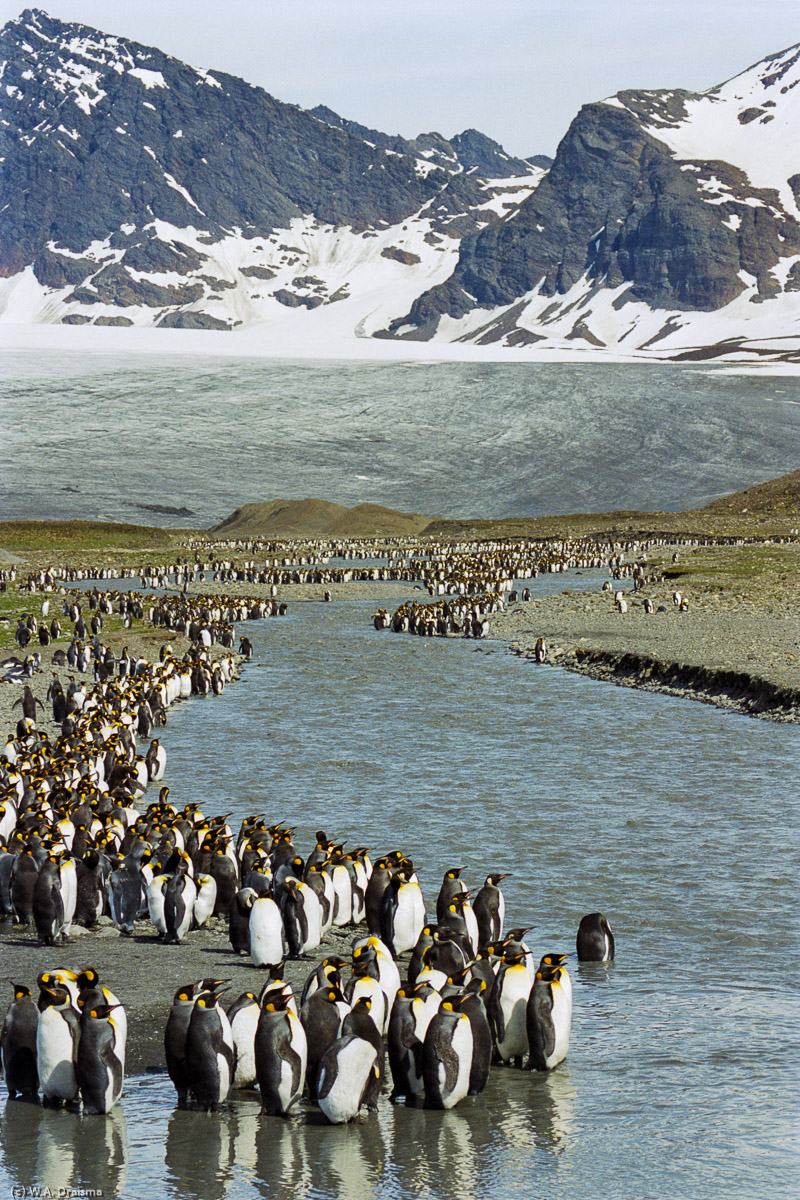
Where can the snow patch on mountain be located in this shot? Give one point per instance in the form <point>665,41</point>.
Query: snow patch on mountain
<point>749,121</point>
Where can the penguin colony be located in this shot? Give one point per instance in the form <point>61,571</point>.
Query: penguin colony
<point>70,837</point>
<point>470,997</point>
<point>70,1044</point>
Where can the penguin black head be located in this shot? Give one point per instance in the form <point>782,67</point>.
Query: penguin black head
<point>453,873</point>
<point>184,993</point>
<point>553,960</point>
<point>87,978</point>
<point>20,990</point>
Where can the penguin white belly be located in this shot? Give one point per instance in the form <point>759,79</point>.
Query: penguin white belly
<point>472,927</point>
<point>69,893</point>
<point>243,1029</point>
<point>561,1016</point>
<point>461,1043</point>
<point>313,911</point>
<point>266,932</point>
<point>206,899</point>
<point>342,1081</point>
<point>514,1004</point>
<point>342,887</point>
<point>409,918</point>
<point>54,1056</point>
<point>155,902</point>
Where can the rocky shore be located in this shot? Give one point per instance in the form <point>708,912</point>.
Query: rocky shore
<point>729,651</point>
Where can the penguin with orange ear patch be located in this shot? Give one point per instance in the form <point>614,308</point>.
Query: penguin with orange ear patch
<point>99,1067</point>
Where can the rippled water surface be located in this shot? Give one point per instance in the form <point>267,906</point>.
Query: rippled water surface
<point>677,820</point>
<point>101,436</point>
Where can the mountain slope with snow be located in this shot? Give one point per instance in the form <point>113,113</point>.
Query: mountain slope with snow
<point>667,219</point>
<point>138,190</point>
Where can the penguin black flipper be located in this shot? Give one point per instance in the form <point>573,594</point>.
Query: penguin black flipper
<point>540,1028</point>
<point>494,1012</point>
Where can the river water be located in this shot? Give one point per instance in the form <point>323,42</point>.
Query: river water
<point>677,820</point>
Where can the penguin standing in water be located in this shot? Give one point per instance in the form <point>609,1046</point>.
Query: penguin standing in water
<point>18,1045</point>
<point>100,1063</point>
<point>281,1054</point>
<point>175,1041</point>
<point>243,1016</point>
<point>348,1078</point>
<point>470,1002</point>
<point>321,1016</point>
<point>447,1057</point>
<point>412,1013</point>
<point>57,1037</point>
<point>549,1017</point>
<point>507,1008</point>
<point>595,940</point>
<point>210,1054</point>
<point>489,908</point>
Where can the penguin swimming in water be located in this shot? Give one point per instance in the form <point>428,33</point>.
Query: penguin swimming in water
<point>595,940</point>
<point>281,1055</point>
<point>18,1045</point>
<point>549,1016</point>
<point>210,1055</point>
<point>100,1062</point>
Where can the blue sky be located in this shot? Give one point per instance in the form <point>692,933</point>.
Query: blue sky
<point>518,70</point>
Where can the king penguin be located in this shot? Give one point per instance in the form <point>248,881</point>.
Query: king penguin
<point>281,1054</point>
<point>57,1037</point>
<point>549,1016</point>
<point>100,1063</point>
<point>210,1055</point>
<point>18,1045</point>
<point>595,940</point>
<point>447,1057</point>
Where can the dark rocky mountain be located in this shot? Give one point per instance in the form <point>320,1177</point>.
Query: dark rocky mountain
<point>138,190</point>
<point>102,138</point>
<point>620,207</point>
<point>470,150</point>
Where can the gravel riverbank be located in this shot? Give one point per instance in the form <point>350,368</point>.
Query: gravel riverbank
<point>734,654</point>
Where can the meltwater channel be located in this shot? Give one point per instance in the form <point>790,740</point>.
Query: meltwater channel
<point>676,819</point>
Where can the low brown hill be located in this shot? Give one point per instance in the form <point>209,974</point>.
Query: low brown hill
<point>292,519</point>
<point>781,495</point>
